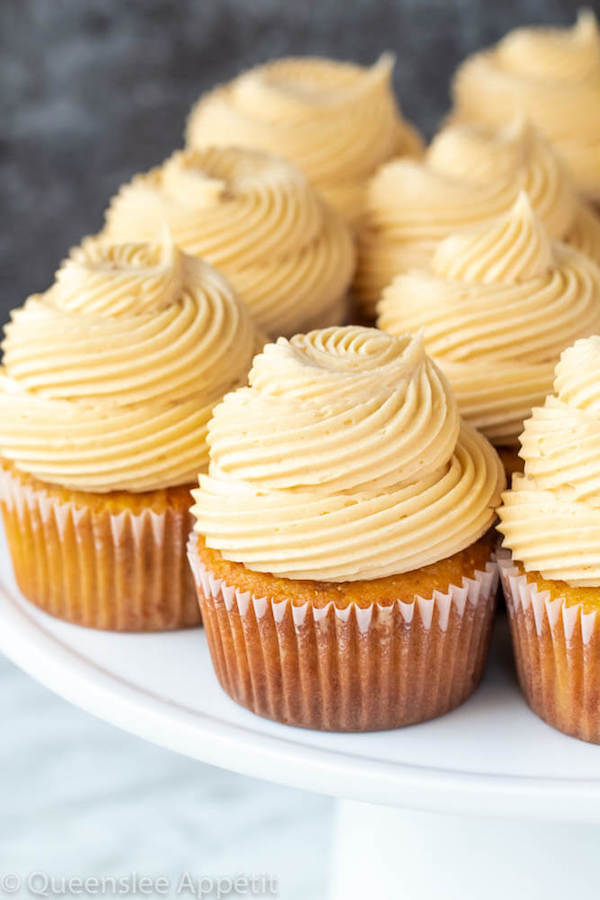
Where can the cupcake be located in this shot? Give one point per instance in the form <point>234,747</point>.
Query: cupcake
<point>108,382</point>
<point>553,76</point>
<point>468,176</point>
<point>256,219</point>
<point>337,121</point>
<point>551,522</point>
<point>497,304</point>
<point>342,548</point>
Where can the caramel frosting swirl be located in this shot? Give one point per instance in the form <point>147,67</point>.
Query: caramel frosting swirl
<point>337,121</point>
<point>551,517</point>
<point>257,220</point>
<point>552,75</point>
<point>344,459</point>
<point>498,303</point>
<point>469,176</point>
<point>110,377</point>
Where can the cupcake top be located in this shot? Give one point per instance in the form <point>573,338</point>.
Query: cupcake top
<point>344,459</point>
<point>497,304</point>
<point>553,75</point>
<point>551,517</point>
<point>337,121</point>
<point>110,377</point>
<point>255,218</point>
<point>468,176</point>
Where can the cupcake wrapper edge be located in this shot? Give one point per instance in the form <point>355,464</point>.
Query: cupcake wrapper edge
<point>557,653</point>
<point>351,668</point>
<point>117,571</point>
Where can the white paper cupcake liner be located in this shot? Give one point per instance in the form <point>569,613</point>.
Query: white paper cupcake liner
<point>87,564</point>
<point>557,652</point>
<point>351,668</point>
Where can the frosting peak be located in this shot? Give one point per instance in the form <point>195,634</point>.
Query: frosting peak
<point>185,180</point>
<point>255,218</point>
<point>337,121</point>
<point>325,373</point>
<point>110,377</point>
<point>553,76</point>
<point>572,54</point>
<point>515,247</point>
<point>497,304</point>
<point>344,459</point>
<point>551,517</point>
<point>468,177</point>
<point>294,89</point>
<point>119,279</point>
<point>501,163</point>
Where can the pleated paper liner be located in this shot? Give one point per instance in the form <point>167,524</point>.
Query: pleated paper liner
<point>557,652</point>
<point>351,669</point>
<point>115,561</point>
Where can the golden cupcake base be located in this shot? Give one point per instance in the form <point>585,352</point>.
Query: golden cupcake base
<point>365,656</point>
<point>556,640</point>
<point>113,561</point>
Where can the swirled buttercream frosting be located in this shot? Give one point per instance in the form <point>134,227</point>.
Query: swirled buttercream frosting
<point>344,459</point>
<point>551,517</point>
<point>498,303</point>
<point>468,176</point>
<point>337,121</point>
<point>110,377</point>
<point>257,220</point>
<point>553,76</point>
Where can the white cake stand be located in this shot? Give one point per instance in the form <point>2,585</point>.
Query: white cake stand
<point>487,802</point>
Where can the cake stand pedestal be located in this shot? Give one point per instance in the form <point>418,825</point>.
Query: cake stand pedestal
<point>487,802</point>
<point>385,852</point>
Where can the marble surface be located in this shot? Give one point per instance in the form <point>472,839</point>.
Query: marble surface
<point>81,798</point>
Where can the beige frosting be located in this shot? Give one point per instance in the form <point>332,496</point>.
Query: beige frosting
<point>257,220</point>
<point>497,304</point>
<point>337,121</point>
<point>344,459</point>
<point>551,517</point>
<point>110,377</point>
<point>552,75</point>
<point>468,176</point>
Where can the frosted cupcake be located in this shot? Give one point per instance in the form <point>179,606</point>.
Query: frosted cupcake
<point>342,550</point>
<point>551,522</point>
<point>552,75</point>
<point>468,176</point>
<point>256,219</point>
<point>498,303</point>
<point>337,121</point>
<point>108,382</point>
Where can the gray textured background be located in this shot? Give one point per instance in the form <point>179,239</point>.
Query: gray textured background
<point>95,90</point>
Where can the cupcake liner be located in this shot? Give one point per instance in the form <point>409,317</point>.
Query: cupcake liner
<point>124,571</point>
<point>557,652</point>
<point>352,668</point>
